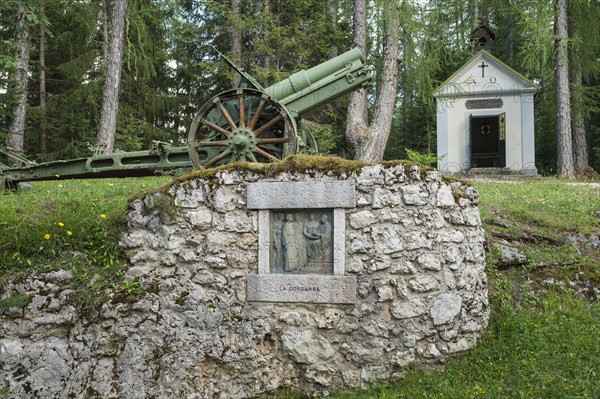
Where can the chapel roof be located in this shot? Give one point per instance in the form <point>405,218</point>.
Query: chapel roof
<point>526,84</point>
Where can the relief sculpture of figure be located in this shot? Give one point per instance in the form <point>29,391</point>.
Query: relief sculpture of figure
<point>325,232</point>
<point>313,239</point>
<point>276,239</point>
<point>289,243</point>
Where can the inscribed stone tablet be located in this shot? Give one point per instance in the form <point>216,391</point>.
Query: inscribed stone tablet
<point>484,104</point>
<point>301,288</point>
<point>295,195</point>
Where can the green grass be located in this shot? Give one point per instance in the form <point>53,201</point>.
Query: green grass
<point>60,220</point>
<point>541,206</point>
<point>69,224</point>
<point>15,301</point>
<point>541,342</point>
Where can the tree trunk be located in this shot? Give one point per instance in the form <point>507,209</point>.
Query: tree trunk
<point>379,131</point>
<point>266,4</point>
<point>511,40</point>
<point>17,125</point>
<point>564,167</point>
<point>357,118</point>
<point>367,141</point>
<point>42,50</point>
<point>112,85</point>
<point>580,151</point>
<point>475,13</point>
<point>105,31</point>
<point>235,35</point>
<point>332,8</point>
<point>407,89</point>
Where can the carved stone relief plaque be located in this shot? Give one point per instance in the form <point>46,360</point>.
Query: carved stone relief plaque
<point>302,241</point>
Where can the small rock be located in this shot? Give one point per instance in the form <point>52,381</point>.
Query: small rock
<point>445,197</point>
<point>510,256</point>
<point>430,262</point>
<point>445,308</point>
<point>423,284</point>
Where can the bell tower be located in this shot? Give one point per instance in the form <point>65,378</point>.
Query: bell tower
<point>481,38</point>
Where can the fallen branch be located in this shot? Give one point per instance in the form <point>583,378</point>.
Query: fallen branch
<point>530,237</point>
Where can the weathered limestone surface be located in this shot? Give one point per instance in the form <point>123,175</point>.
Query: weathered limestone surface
<point>413,242</point>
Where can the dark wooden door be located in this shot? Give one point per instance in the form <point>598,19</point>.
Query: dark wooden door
<point>485,142</point>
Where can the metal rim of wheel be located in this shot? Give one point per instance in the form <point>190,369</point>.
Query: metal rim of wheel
<point>228,129</point>
<point>306,135</point>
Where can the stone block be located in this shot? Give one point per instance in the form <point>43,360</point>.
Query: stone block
<point>301,288</point>
<point>445,308</point>
<point>300,195</point>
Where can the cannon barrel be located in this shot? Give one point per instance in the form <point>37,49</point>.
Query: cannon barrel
<point>304,78</point>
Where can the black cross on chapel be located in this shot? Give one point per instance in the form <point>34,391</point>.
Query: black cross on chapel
<point>483,66</point>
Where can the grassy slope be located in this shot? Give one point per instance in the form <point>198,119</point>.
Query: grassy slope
<point>542,342</point>
<point>68,224</point>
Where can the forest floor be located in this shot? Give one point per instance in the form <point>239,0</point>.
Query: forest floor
<point>543,266</point>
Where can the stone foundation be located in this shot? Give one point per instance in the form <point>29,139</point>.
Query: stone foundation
<point>413,249</point>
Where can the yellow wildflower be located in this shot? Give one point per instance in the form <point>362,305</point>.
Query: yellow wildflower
<point>69,233</point>
<point>57,175</point>
<point>102,216</point>
<point>61,224</point>
<point>47,236</point>
<point>110,184</point>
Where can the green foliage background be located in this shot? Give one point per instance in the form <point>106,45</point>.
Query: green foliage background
<point>170,69</point>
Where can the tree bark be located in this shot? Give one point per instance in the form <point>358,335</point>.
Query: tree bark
<point>367,141</point>
<point>332,8</point>
<point>235,35</point>
<point>17,125</point>
<point>476,13</point>
<point>564,167</point>
<point>511,40</point>
<point>379,131</point>
<point>407,89</point>
<point>105,31</point>
<point>580,151</point>
<point>42,58</point>
<point>266,4</point>
<point>357,119</point>
<point>112,85</point>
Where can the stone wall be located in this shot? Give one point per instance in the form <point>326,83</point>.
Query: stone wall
<point>413,242</point>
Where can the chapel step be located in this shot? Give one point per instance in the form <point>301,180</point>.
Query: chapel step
<point>498,173</point>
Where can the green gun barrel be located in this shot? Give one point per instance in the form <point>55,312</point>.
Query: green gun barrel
<point>304,78</point>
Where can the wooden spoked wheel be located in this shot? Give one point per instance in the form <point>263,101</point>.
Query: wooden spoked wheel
<point>241,125</point>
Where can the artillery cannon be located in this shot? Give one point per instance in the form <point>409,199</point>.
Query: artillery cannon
<point>249,123</point>
<point>261,124</point>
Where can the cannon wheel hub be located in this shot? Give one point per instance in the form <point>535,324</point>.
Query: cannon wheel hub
<point>242,141</point>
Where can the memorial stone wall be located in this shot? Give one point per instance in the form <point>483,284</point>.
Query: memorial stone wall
<point>252,281</point>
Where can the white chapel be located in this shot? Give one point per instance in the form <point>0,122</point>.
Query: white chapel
<point>485,117</point>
